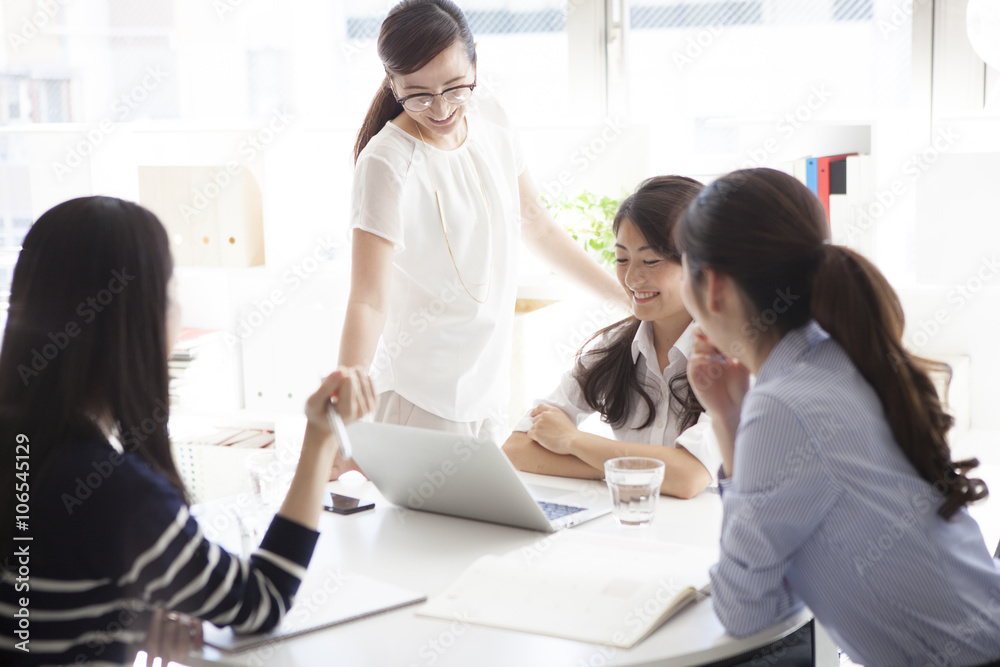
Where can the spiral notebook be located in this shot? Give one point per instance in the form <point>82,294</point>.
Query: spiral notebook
<point>326,598</point>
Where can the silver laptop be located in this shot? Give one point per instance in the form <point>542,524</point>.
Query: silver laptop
<point>462,476</point>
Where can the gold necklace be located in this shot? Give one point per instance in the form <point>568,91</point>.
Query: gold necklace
<point>444,225</point>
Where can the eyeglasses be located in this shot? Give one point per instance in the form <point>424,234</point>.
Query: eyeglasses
<point>422,101</point>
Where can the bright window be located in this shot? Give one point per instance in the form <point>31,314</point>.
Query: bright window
<point>758,57</point>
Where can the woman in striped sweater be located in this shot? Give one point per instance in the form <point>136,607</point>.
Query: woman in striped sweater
<point>102,534</point>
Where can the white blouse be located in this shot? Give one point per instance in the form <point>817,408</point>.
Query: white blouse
<point>441,349</point>
<point>665,427</point>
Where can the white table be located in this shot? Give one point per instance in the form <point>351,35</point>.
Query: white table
<point>425,552</point>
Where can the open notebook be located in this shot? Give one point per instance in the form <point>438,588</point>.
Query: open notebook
<point>582,586</point>
<point>325,598</point>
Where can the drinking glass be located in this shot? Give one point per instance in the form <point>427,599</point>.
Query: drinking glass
<point>634,483</point>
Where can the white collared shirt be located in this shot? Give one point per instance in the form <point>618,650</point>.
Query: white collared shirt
<point>664,429</point>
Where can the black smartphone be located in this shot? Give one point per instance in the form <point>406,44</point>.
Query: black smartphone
<point>345,504</point>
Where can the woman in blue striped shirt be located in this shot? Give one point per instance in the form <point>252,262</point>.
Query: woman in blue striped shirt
<point>838,486</point>
<point>105,538</point>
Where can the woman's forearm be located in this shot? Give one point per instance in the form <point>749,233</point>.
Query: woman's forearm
<point>547,239</point>
<point>363,325</point>
<point>529,456</point>
<point>354,397</point>
<point>725,436</point>
<point>367,304</point>
<point>305,495</point>
<point>684,476</point>
<point>557,248</point>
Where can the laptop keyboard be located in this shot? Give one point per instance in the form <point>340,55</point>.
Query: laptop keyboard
<point>556,511</point>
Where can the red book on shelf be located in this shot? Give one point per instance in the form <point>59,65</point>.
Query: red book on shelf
<point>823,179</point>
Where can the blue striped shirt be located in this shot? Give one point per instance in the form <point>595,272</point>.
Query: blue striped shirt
<point>823,508</point>
<point>112,540</point>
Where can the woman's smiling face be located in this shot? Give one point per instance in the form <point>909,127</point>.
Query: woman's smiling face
<point>448,69</point>
<point>652,281</point>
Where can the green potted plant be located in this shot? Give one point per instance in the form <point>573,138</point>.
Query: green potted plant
<point>588,219</point>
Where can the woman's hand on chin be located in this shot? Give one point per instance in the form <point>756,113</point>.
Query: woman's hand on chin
<point>719,382</point>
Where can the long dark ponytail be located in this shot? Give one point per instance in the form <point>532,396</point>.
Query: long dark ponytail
<point>606,374</point>
<point>767,231</point>
<point>412,34</point>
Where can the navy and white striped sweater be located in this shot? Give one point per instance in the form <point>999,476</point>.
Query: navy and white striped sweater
<point>100,562</point>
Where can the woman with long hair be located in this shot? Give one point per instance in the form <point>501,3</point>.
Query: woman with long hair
<point>104,538</point>
<point>633,372</point>
<point>441,200</point>
<point>837,482</point>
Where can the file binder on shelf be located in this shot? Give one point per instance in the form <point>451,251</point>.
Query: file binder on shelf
<point>811,176</point>
<point>844,185</point>
<point>824,171</point>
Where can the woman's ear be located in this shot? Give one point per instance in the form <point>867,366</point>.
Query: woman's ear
<point>716,290</point>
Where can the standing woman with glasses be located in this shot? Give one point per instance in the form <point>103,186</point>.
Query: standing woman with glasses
<point>441,199</point>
